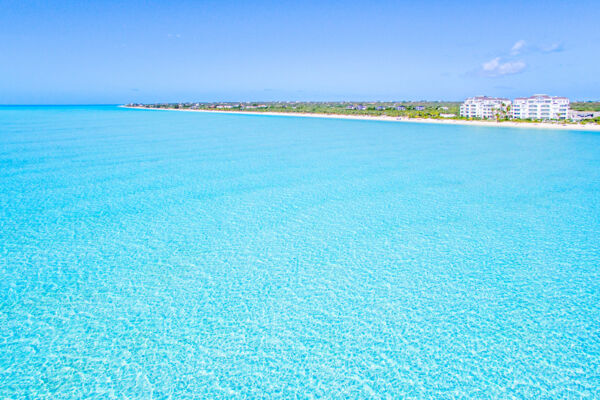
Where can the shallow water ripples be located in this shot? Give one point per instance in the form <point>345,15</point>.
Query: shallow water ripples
<point>225,256</point>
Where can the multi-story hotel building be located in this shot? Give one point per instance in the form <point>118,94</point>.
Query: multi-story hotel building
<point>540,106</point>
<point>484,107</point>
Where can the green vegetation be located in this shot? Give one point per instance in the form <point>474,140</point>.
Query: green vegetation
<point>408,109</point>
<point>585,106</point>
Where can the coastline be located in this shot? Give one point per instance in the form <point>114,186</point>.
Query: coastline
<point>507,124</point>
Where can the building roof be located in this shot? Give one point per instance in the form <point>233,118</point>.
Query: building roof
<point>487,98</point>
<point>542,96</point>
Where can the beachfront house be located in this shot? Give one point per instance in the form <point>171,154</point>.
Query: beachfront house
<point>576,116</point>
<point>540,106</point>
<point>484,107</point>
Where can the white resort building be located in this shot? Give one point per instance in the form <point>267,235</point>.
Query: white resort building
<point>540,106</point>
<point>484,107</point>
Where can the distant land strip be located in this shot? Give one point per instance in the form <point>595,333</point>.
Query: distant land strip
<point>421,111</point>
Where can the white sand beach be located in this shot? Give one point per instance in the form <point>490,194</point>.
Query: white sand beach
<point>508,124</point>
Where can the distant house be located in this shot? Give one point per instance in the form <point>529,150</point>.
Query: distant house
<point>575,115</point>
<point>361,107</point>
<point>380,108</point>
<point>400,108</point>
<point>419,108</point>
<point>443,108</point>
<point>447,115</point>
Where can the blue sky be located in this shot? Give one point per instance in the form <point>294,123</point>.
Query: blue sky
<point>69,52</point>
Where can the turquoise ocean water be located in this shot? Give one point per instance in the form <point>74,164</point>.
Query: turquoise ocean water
<point>157,254</point>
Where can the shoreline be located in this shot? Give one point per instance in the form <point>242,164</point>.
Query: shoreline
<point>506,124</point>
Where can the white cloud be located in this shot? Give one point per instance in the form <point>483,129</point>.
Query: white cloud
<point>496,67</point>
<point>491,65</point>
<point>553,48</point>
<point>508,64</point>
<point>517,47</point>
<point>521,47</point>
